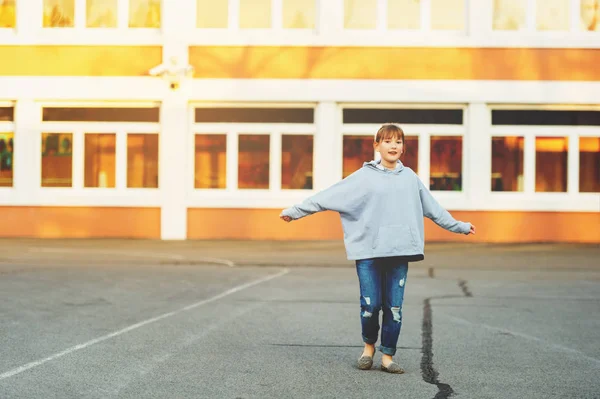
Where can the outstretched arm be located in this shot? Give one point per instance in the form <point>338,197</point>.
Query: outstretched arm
<point>434,211</point>
<point>345,196</point>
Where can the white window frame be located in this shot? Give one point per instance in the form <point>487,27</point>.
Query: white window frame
<point>232,196</point>
<point>9,127</point>
<point>571,199</point>
<point>77,194</point>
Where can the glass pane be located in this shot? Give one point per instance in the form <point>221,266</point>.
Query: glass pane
<point>589,164</point>
<point>101,114</point>
<point>255,14</point>
<point>551,164</point>
<point>404,14</point>
<point>411,153</point>
<point>144,13</point>
<point>101,13</point>
<point>59,13</point>
<point>57,159</point>
<point>552,15</point>
<point>446,163</point>
<point>590,15</point>
<point>299,14</point>
<point>545,117</point>
<point>253,161</point>
<point>142,160</point>
<point>507,163</point>
<point>210,161</point>
<point>100,160</point>
<point>509,14</point>
<point>360,14</point>
<point>357,150</point>
<point>6,159</point>
<point>404,115</point>
<point>211,14</point>
<point>7,114</point>
<point>448,14</point>
<point>297,162</point>
<point>8,15</point>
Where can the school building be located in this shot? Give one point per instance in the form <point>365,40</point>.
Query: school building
<point>202,119</point>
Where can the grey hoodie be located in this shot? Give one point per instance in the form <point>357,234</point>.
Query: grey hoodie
<point>382,212</point>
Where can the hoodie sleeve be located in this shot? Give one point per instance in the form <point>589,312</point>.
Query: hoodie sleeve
<point>434,211</point>
<point>346,196</point>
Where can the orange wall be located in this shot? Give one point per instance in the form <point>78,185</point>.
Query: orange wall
<point>79,222</point>
<point>78,60</point>
<point>498,227</point>
<point>296,62</point>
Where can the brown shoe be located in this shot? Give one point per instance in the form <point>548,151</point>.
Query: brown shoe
<point>392,368</point>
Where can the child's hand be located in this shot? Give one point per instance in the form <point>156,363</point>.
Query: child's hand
<point>285,218</point>
<point>472,231</point>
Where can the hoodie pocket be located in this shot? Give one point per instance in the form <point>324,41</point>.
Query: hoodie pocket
<point>398,237</point>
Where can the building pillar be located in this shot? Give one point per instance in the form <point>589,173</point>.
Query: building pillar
<point>328,145</point>
<point>26,177</point>
<point>478,155</point>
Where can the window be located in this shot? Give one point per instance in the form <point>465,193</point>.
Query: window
<point>144,13</point>
<point>255,14</point>
<point>6,159</point>
<point>445,163</point>
<point>101,13</point>
<point>589,164</point>
<point>411,153</point>
<point>546,15</point>
<point>142,160</point>
<point>210,161</point>
<point>106,148</point>
<point>253,148</point>
<point>57,159</point>
<point>507,163</point>
<point>59,13</point>
<point>405,14</point>
<point>8,18</point>
<point>212,14</point>
<point>551,164</point>
<point>100,160</point>
<point>296,161</point>
<point>253,161</point>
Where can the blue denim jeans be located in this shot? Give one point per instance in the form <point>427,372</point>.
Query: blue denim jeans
<point>382,282</point>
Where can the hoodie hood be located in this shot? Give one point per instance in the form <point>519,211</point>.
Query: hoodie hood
<point>376,164</point>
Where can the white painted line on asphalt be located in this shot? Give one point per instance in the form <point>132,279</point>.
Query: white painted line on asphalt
<point>526,336</point>
<point>72,349</point>
<point>148,254</point>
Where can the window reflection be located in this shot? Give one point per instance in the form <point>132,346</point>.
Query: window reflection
<point>552,15</point>
<point>360,14</point>
<point>253,161</point>
<point>57,159</point>
<point>507,163</point>
<point>297,162</point>
<point>589,164</point>
<point>448,14</point>
<point>357,150</point>
<point>212,14</point>
<point>99,160</point>
<point>446,163</point>
<point>144,13</point>
<point>299,14</point>
<point>590,15</point>
<point>6,159</point>
<point>509,14</point>
<point>142,160</point>
<point>8,16</point>
<point>59,13</point>
<point>411,153</point>
<point>101,13</point>
<point>255,14</point>
<point>404,14</point>
<point>210,161</point>
<point>551,164</point>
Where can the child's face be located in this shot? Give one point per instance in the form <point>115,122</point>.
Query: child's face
<point>390,148</point>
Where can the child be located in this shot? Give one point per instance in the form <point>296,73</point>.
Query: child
<point>382,207</point>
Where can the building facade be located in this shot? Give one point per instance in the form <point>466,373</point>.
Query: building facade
<point>202,119</point>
